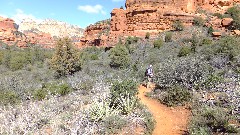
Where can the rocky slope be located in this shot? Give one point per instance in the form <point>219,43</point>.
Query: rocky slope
<point>154,16</point>
<point>53,27</point>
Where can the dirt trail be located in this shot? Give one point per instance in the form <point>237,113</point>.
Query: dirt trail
<point>169,120</point>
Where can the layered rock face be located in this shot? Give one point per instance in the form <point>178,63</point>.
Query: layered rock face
<point>154,16</point>
<point>54,28</point>
<point>96,34</point>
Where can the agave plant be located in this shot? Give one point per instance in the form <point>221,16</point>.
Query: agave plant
<point>102,109</point>
<point>127,103</point>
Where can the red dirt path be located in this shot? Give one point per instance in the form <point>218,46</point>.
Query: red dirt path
<point>169,120</point>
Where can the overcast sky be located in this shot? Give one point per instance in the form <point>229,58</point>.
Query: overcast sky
<point>77,12</point>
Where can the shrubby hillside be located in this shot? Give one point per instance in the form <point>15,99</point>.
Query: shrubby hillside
<point>93,90</point>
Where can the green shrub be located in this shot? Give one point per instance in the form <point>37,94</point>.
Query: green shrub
<point>228,46</point>
<point>206,41</point>
<point>64,89</point>
<point>219,15</point>
<point>1,57</point>
<point>149,123</point>
<point>53,89</point>
<point>6,58</point>
<point>18,61</point>
<point>195,42</point>
<point>168,37</point>
<point>40,94</point>
<point>127,103</point>
<point>57,89</point>
<point>123,90</point>
<point>9,97</point>
<point>184,51</point>
<point>94,57</point>
<point>210,120</point>
<point>198,21</point>
<point>178,26</point>
<point>147,36</point>
<point>131,40</point>
<point>234,12</point>
<point>176,95</point>
<point>158,43</point>
<point>123,87</point>
<point>65,60</point>
<point>212,80</point>
<point>114,124</point>
<point>101,110</point>
<point>210,30</point>
<point>89,53</point>
<point>119,56</point>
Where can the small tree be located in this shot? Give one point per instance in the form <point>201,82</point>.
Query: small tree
<point>158,43</point>
<point>147,36</point>
<point>168,37</point>
<point>178,26</point>
<point>65,60</point>
<point>198,21</point>
<point>119,56</point>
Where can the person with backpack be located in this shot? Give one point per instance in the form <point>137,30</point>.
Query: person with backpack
<point>149,73</point>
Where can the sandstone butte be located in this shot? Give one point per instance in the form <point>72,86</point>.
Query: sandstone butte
<point>153,16</point>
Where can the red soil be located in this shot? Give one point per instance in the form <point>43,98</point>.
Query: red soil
<point>169,120</point>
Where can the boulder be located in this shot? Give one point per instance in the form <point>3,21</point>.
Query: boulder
<point>216,34</point>
<point>236,32</point>
<point>226,22</point>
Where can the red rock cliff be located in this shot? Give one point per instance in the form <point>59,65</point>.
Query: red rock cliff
<point>154,16</point>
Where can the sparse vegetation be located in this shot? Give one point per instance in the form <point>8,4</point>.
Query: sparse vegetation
<point>184,51</point>
<point>158,43</point>
<point>219,15</point>
<point>234,12</point>
<point>198,21</point>
<point>147,36</point>
<point>168,37</point>
<point>210,30</point>
<point>210,120</point>
<point>178,26</point>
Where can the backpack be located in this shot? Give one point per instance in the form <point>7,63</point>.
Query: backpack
<point>148,72</point>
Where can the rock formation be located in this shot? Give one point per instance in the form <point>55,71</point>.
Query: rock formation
<point>154,16</point>
<point>11,36</point>
<point>96,34</point>
<point>31,32</point>
<point>54,28</point>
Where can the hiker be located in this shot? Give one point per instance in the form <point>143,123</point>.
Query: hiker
<point>149,74</point>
